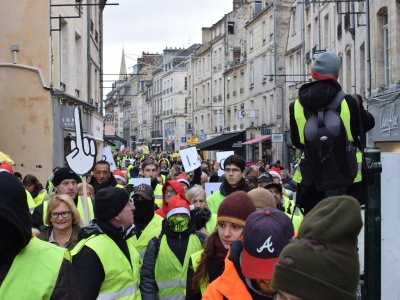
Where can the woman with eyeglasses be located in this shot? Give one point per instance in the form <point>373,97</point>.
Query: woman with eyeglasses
<point>64,221</point>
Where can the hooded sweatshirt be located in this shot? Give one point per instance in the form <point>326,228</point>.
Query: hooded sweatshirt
<point>178,187</point>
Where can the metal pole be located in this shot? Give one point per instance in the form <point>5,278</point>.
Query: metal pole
<point>368,50</point>
<point>372,258</point>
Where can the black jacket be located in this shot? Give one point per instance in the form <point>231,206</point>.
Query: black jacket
<point>178,244</point>
<point>88,266</point>
<point>314,96</point>
<point>97,186</point>
<point>15,234</point>
<point>318,94</point>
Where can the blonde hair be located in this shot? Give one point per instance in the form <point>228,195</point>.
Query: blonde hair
<point>55,201</point>
<point>195,191</point>
<point>89,189</point>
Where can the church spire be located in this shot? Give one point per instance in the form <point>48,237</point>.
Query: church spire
<point>122,69</point>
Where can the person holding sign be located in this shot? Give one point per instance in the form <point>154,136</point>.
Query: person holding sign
<point>234,169</point>
<point>106,261</point>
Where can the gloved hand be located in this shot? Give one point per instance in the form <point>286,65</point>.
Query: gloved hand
<point>129,188</point>
<point>200,216</point>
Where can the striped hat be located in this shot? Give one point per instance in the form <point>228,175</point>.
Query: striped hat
<point>236,208</point>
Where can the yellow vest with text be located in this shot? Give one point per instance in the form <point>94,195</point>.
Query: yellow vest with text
<point>153,229</point>
<point>158,195</point>
<point>34,271</point>
<point>344,116</point>
<point>79,206</point>
<point>170,275</point>
<point>121,277</point>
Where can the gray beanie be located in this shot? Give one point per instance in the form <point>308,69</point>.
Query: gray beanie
<point>326,66</point>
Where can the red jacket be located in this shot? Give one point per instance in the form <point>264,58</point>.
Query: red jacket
<point>178,187</point>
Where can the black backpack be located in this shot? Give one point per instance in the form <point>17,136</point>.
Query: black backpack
<point>330,159</point>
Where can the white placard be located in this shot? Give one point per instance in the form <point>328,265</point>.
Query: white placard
<point>221,156</point>
<point>137,181</point>
<point>107,156</point>
<point>189,159</point>
<point>211,187</point>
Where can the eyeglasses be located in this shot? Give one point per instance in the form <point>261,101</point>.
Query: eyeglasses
<point>170,191</point>
<point>234,170</point>
<point>63,214</point>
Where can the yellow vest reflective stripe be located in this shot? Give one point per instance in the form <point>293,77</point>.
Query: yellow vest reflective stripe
<point>158,195</point>
<point>121,277</point>
<point>344,116</point>
<point>153,229</point>
<point>79,206</point>
<point>29,200</point>
<point>196,257</point>
<point>170,275</point>
<point>34,271</point>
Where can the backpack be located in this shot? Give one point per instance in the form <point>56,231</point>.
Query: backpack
<point>330,159</point>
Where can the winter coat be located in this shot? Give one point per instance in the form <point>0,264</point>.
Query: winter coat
<point>177,243</point>
<point>16,227</point>
<point>313,96</point>
<point>232,284</point>
<point>90,271</point>
<point>45,236</point>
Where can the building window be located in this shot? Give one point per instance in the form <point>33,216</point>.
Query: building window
<point>251,40</point>
<point>231,27</point>
<point>385,35</point>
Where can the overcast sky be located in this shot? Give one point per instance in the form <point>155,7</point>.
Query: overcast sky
<point>153,25</point>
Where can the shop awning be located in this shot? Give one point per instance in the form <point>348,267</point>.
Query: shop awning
<point>223,142</point>
<point>261,138</point>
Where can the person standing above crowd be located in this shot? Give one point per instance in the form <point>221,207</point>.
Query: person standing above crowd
<point>102,176</point>
<point>329,169</point>
<point>35,188</point>
<point>29,268</point>
<point>64,221</point>
<point>234,167</point>
<point>250,264</point>
<point>165,263</point>
<point>105,260</point>
<point>65,181</point>
<point>147,223</point>
<point>208,264</point>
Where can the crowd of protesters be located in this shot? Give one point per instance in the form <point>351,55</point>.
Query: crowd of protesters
<point>169,240</point>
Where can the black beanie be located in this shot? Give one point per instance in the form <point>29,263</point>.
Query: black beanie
<point>64,173</point>
<point>322,262</point>
<point>109,202</point>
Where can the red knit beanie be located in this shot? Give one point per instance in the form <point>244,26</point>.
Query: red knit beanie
<point>236,208</point>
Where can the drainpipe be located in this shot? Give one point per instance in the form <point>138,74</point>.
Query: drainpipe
<point>88,56</point>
